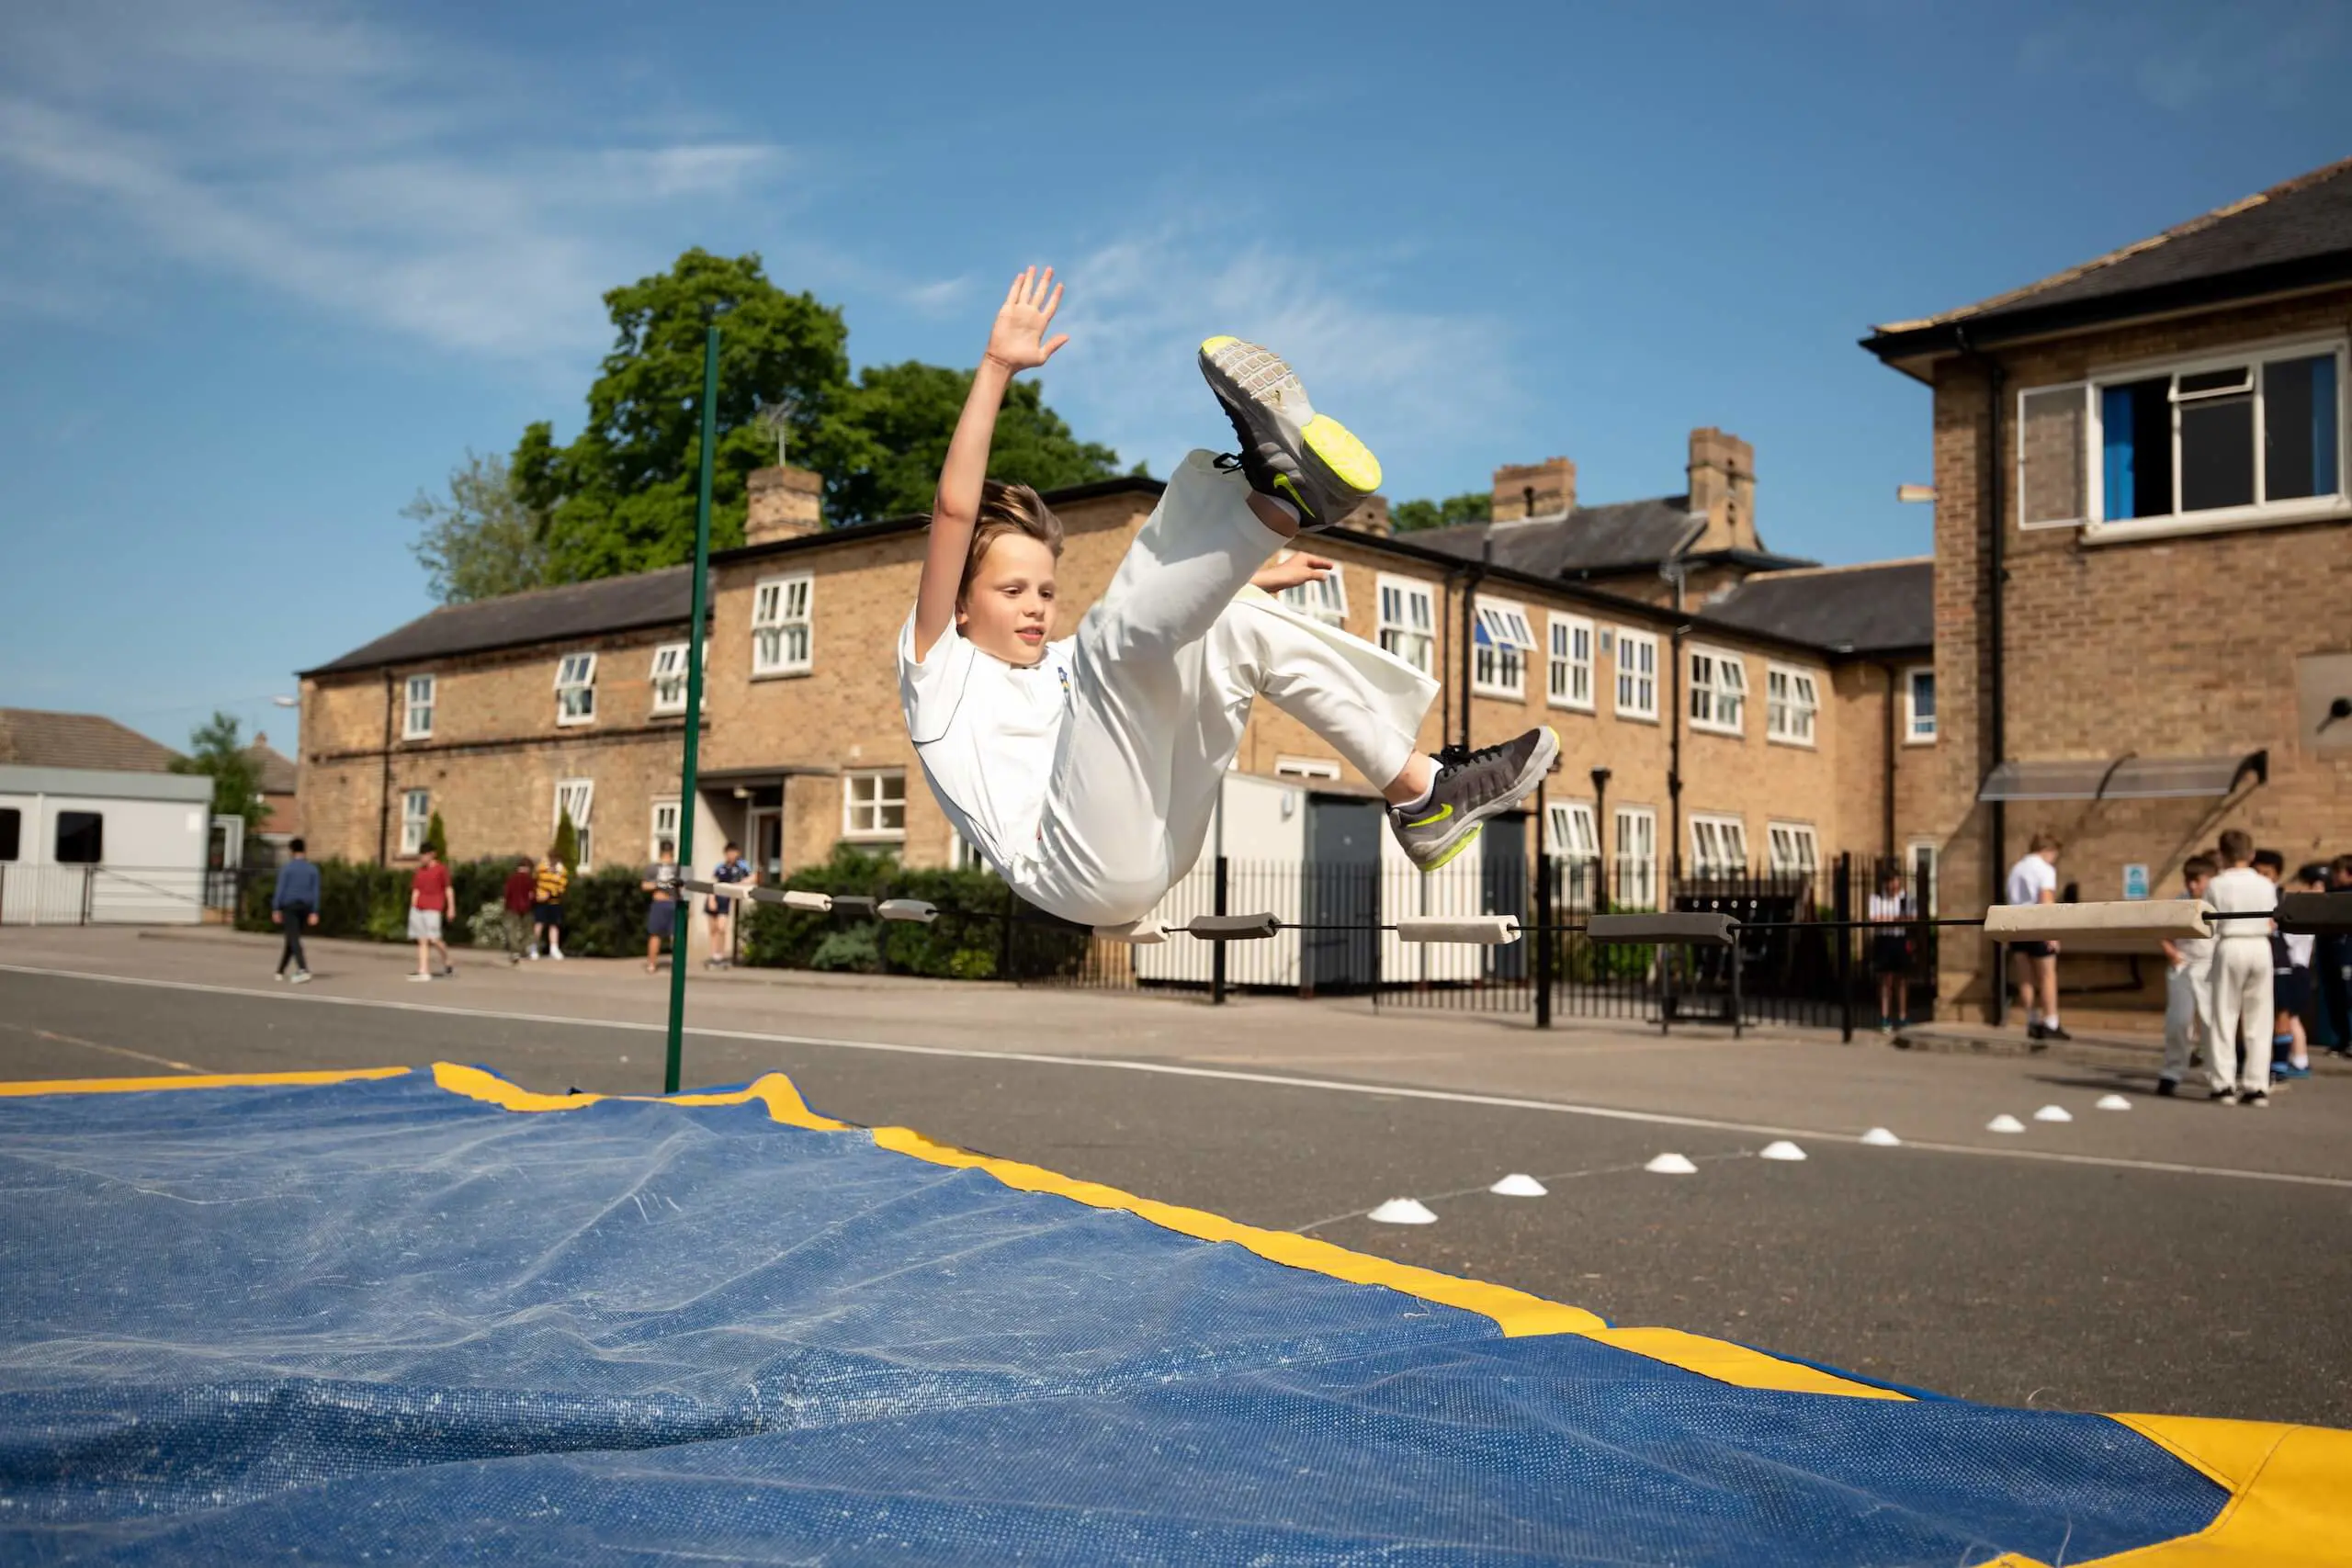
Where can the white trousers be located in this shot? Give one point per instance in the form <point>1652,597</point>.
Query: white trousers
<point>2188,1014</point>
<point>2242,1009</point>
<point>1168,665</point>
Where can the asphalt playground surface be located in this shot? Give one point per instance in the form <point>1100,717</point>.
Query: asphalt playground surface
<point>2178,1257</point>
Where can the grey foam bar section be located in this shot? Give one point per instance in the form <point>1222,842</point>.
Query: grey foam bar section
<point>1234,928</point>
<point>2315,913</point>
<point>1710,928</point>
<point>914,910</point>
<point>1479,930</point>
<point>2172,918</point>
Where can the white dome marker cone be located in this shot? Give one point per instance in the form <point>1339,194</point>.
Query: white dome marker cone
<point>2053,1113</point>
<point>1518,1186</point>
<point>1879,1137</point>
<point>2113,1102</point>
<point>1671,1164</point>
<point>1779,1149</point>
<point>1402,1211</point>
<point>2005,1122</point>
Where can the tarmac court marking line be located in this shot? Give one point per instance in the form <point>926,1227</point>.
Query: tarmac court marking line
<point>1228,1075</point>
<point>102,1045</point>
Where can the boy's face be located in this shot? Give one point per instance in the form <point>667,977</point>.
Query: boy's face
<point>1008,611</point>
<point>2196,885</point>
<point>2269,872</point>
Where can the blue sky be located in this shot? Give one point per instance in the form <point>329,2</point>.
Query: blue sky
<point>271,266</point>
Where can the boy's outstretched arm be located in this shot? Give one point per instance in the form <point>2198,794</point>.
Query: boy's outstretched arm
<point>1017,341</point>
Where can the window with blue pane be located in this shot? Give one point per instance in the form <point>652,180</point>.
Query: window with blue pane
<point>2220,437</point>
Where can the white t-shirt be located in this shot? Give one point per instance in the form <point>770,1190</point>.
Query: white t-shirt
<point>1890,906</point>
<point>2242,888</point>
<point>2030,879</point>
<point>986,732</point>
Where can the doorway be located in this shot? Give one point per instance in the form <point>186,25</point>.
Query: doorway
<point>1502,875</point>
<point>1342,874</point>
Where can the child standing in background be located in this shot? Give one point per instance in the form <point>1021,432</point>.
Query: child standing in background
<point>2238,1057</point>
<point>2188,984</point>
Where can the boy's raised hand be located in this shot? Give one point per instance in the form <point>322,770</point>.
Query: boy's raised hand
<point>1017,341</point>
<point>1290,570</point>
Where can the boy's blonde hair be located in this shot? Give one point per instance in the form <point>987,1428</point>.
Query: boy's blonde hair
<point>2237,846</point>
<point>2043,841</point>
<point>1009,509</point>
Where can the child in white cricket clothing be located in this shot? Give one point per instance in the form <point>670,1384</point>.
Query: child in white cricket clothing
<point>1086,769</point>
<point>2238,1054</point>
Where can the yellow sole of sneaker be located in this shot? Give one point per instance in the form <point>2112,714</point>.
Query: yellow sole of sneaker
<point>1210,345</point>
<point>1346,457</point>
<point>1467,839</point>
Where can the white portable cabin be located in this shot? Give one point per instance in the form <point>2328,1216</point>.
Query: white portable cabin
<point>82,846</point>
<point>1264,830</point>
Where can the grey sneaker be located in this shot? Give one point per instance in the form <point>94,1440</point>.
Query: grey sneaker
<point>1491,779</point>
<point>1288,450</point>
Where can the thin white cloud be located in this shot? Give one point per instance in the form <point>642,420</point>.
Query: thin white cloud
<point>1413,382</point>
<point>315,151</point>
<point>2255,51</point>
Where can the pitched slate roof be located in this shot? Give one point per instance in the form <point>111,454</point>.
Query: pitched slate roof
<point>32,737</point>
<point>1874,608</point>
<point>273,768</point>
<point>2294,235</point>
<point>1623,536</point>
<point>542,614</point>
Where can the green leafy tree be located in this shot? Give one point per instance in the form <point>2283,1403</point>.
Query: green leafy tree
<point>216,751</point>
<point>1476,506</point>
<point>906,413</point>
<point>436,838</point>
<point>479,540</point>
<point>620,498</point>
<point>567,841</point>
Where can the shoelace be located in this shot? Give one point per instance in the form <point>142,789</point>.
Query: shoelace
<point>1462,759</point>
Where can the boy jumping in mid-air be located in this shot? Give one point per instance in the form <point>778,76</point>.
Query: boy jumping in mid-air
<point>1085,770</point>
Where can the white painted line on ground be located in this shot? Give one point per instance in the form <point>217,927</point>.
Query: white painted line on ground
<point>102,1045</point>
<point>1228,1075</point>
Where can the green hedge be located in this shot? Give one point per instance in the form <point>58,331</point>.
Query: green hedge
<point>966,945</point>
<point>604,911</point>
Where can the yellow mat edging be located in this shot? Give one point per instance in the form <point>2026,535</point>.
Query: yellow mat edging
<point>771,1089</point>
<point>203,1080</point>
<point>2290,1504</point>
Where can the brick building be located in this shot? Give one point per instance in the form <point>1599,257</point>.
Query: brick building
<point>2142,618</point>
<point>1744,705</point>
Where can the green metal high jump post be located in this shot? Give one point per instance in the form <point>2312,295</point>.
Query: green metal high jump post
<point>695,629</point>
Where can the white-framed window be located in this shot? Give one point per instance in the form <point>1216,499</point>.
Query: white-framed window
<point>416,816</point>
<point>1633,856</point>
<point>1500,644</point>
<point>963,855</point>
<point>1794,847</point>
<point>1407,620</point>
<point>1718,691</point>
<point>781,639</point>
<point>1791,699</point>
<point>664,827</point>
<point>1920,704</point>
<point>668,676</point>
<point>575,689</point>
<point>577,797</point>
<point>2250,436</point>
<point>1718,845</point>
<point>1305,768</point>
<point>1568,835</point>
<point>417,717</point>
<point>1636,674</point>
<point>874,805</point>
<point>1325,600</point>
<point>1569,682</point>
<point>1919,856</point>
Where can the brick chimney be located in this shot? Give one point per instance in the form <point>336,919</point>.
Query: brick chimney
<point>1371,518</point>
<point>1722,487</point>
<point>1547,488</point>
<point>786,504</point>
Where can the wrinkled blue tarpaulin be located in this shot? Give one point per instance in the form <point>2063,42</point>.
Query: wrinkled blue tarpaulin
<point>382,1320</point>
